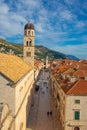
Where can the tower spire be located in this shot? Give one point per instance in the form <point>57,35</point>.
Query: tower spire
<point>29,44</point>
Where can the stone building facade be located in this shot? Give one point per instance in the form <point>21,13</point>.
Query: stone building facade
<point>47,62</point>
<point>6,118</point>
<point>17,85</point>
<point>16,89</point>
<point>28,50</point>
<point>70,100</point>
<point>71,106</point>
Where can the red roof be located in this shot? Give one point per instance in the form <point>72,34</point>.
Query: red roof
<point>79,88</point>
<point>66,86</point>
<point>80,73</point>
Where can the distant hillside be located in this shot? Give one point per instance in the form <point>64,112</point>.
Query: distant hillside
<point>73,57</point>
<point>7,47</point>
<point>40,51</point>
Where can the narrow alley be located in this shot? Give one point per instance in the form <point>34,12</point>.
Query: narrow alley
<point>42,104</point>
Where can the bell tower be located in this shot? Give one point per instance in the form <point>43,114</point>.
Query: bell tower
<point>28,50</point>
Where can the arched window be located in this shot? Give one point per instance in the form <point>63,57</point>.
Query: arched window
<point>27,43</point>
<point>30,43</point>
<point>76,128</point>
<point>28,32</point>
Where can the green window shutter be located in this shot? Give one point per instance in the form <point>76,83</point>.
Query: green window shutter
<point>77,115</point>
<point>77,101</point>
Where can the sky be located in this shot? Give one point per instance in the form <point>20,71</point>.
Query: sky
<point>60,25</point>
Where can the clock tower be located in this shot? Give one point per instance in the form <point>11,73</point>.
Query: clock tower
<point>28,50</point>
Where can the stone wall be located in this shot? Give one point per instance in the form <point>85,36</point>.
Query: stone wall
<point>7,93</point>
<point>23,97</point>
<point>7,120</point>
<point>71,107</point>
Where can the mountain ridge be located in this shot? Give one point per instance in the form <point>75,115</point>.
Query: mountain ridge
<point>40,51</point>
<point>73,57</point>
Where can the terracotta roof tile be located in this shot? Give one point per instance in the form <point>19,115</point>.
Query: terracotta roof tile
<point>79,88</point>
<point>69,70</point>
<point>80,73</point>
<point>13,67</point>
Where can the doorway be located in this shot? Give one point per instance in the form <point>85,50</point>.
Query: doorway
<point>76,128</point>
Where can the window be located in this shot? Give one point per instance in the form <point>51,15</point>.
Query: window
<point>27,43</point>
<point>28,54</point>
<point>76,128</point>
<point>77,101</point>
<point>77,115</point>
<point>28,32</point>
<point>30,43</point>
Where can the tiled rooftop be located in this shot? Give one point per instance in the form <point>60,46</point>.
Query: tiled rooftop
<point>37,64</point>
<point>80,88</point>
<point>80,73</point>
<point>77,69</point>
<point>13,67</point>
<point>69,71</point>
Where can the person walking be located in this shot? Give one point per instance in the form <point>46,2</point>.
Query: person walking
<point>48,113</point>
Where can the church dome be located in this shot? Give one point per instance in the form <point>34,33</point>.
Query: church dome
<point>29,26</point>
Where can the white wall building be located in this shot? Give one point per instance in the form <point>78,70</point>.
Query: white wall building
<point>71,102</point>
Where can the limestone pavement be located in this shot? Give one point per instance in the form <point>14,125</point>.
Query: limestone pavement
<point>41,104</point>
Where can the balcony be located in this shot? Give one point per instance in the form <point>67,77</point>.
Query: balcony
<point>75,123</point>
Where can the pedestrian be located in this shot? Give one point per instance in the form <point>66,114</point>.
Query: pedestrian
<point>48,113</point>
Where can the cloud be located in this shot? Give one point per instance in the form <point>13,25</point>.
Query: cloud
<point>56,22</point>
<point>80,24</point>
<point>27,8</point>
<point>79,50</point>
<point>11,23</point>
<point>66,15</point>
<point>40,28</point>
<point>13,20</point>
<point>70,2</point>
<point>3,8</point>
<point>12,26</point>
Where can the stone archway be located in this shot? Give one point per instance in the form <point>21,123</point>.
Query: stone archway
<point>76,128</point>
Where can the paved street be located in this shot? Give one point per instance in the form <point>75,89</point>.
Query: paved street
<point>41,104</point>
